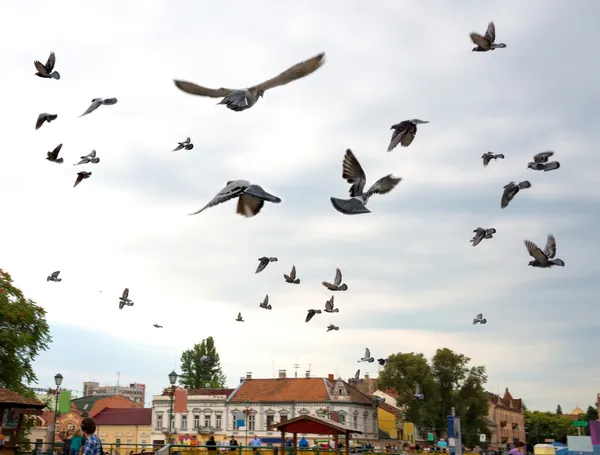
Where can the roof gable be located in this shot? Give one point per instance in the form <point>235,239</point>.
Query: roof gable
<point>18,400</point>
<point>281,390</point>
<point>124,416</point>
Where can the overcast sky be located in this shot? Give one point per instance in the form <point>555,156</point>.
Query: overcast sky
<point>415,282</point>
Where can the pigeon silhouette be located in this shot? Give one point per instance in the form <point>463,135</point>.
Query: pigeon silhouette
<point>89,158</point>
<point>356,379</point>
<point>487,41</point>
<point>44,117</point>
<point>47,71</point>
<point>311,314</point>
<point>544,259</point>
<point>329,306</point>
<point>239,100</point>
<point>404,133</point>
<point>157,326</point>
<point>239,318</point>
<point>124,299</point>
<point>479,319</point>
<point>540,162</point>
<point>251,198</point>
<point>510,191</point>
<point>82,176</point>
<point>184,145</point>
<point>381,361</point>
<point>331,327</point>
<point>337,282</point>
<point>481,233</point>
<point>291,278</point>
<point>263,262</point>
<point>97,102</point>
<point>54,277</point>
<point>53,155</point>
<point>265,303</point>
<point>367,357</point>
<point>488,156</point>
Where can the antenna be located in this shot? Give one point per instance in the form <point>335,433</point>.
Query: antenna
<point>296,366</point>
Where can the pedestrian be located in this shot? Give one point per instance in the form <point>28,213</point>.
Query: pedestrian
<point>233,444</point>
<point>92,446</point>
<point>211,445</point>
<point>518,449</point>
<point>256,442</point>
<point>76,442</point>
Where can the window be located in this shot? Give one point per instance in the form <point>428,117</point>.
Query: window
<point>183,424</point>
<point>159,422</point>
<point>365,426</point>
<point>342,419</point>
<point>251,422</point>
<point>340,391</point>
<point>355,422</point>
<point>270,421</point>
<point>283,418</point>
<point>207,420</point>
<point>218,421</point>
<point>375,426</point>
<point>172,418</point>
<point>196,421</point>
<point>130,441</point>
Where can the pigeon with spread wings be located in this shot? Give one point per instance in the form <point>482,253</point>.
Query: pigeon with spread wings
<point>540,162</point>
<point>263,262</point>
<point>124,299</point>
<point>184,145</point>
<point>546,258</point>
<point>47,71</point>
<point>479,319</point>
<point>157,326</point>
<point>310,314</point>
<point>44,117</point>
<point>54,277</point>
<point>97,102</point>
<point>337,282</point>
<point>489,156</point>
<point>89,158</point>
<point>404,133</point>
<point>482,233</point>
<point>367,357</point>
<point>251,198</point>
<point>356,379</point>
<point>81,176</point>
<point>510,191</point>
<point>418,394</point>
<point>291,278</point>
<point>329,306</point>
<point>265,303</point>
<point>241,99</point>
<point>354,174</point>
<point>487,41</point>
<point>331,327</point>
<point>53,155</point>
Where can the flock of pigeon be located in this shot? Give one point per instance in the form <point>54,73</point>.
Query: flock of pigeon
<point>252,197</point>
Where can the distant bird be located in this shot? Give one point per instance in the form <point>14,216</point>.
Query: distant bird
<point>367,357</point>
<point>82,176</point>
<point>311,314</point>
<point>544,259</point>
<point>479,319</point>
<point>486,42</point>
<point>263,262</point>
<point>378,400</point>
<point>46,71</point>
<point>44,117</point>
<point>404,133</point>
<point>251,198</point>
<point>291,278</point>
<point>337,282</point>
<point>540,162</point>
<point>354,174</point>
<point>124,299</point>
<point>54,277</point>
<point>510,191</point>
<point>239,318</point>
<point>97,102</point>
<point>356,378</point>
<point>481,233</point>
<point>184,145</point>
<point>418,395</point>
<point>381,361</point>
<point>329,306</point>
<point>331,327</point>
<point>241,99</point>
<point>489,156</point>
<point>53,155</point>
<point>265,303</point>
<point>157,326</point>
<point>89,158</point>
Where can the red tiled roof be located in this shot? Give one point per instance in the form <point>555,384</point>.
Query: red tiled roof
<point>124,416</point>
<point>14,398</point>
<point>503,402</point>
<point>209,391</point>
<point>392,410</point>
<point>281,390</point>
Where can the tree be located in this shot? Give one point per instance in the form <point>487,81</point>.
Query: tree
<point>545,425</point>
<point>24,332</point>
<point>446,382</point>
<point>200,366</point>
<point>559,410</point>
<point>591,413</point>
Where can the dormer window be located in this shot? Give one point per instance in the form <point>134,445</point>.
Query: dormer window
<point>340,391</point>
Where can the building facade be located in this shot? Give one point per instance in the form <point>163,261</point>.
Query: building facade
<point>506,420</point>
<point>125,426</point>
<point>135,392</point>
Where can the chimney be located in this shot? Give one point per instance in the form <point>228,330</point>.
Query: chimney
<point>330,377</point>
<point>281,374</point>
<point>366,377</point>
<point>307,375</point>
<point>242,379</point>
<point>249,375</point>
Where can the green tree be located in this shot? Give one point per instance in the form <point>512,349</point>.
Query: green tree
<point>446,381</point>
<point>201,367</point>
<point>559,410</point>
<point>24,333</point>
<point>591,413</point>
<point>546,425</point>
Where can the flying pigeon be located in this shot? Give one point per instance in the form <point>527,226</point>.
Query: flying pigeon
<point>265,303</point>
<point>54,277</point>
<point>404,133</point>
<point>510,191</point>
<point>53,155</point>
<point>329,306</point>
<point>381,361</point>
<point>355,175</point>
<point>479,319</point>
<point>486,42</point>
<point>367,357</point>
<point>97,102</point>
<point>291,278</point>
<point>378,400</point>
<point>544,259</point>
<point>239,318</point>
<point>45,71</point>
<point>44,117</point>
<point>157,326</point>
<point>331,327</point>
<point>184,145</point>
<point>418,395</point>
<point>263,262</point>
<point>124,299</point>
<point>336,286</point>
<point>251,198</point>
<point>489,156</point>
<point>241,99</point>
<point>540,162</point>
<point>310,314</point>
<point>89,158</point>
<point>82,176</point>
<point>481,233</point>
<point>356,377</point>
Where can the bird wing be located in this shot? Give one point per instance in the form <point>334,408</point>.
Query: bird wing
<point>535,252</point>
<point>40,121</point>
<point>384,185</point>
<point>349,206</point>
<point>125,294</point>
<point>328,285</point>
<point>550,248</point>
<point>55,274</point>
<point>249,206</point>
<point>79,179</point>
<point>50,62</point>
<point>490,231</point>
<point>542,157</point>
<point>266,301</point>
<point>231,190</point>
<point>239,315</point>
<point>354,174</point>
<point>54,153</point>
<point>367,353</point>
<point>509,193</point>
<point>293,73</point>
<point>39,66</point>
<point>95,105</point>
<point>417,389</point>
<point>195,89</point>
<point>407,135</point>
<point>329,304</point>
<point>293,273</point>
<point>477,239</point>
<point>310,315</point>
<point>338,277</point>
<point>479,40</point>
<point>261,266</point>
<point>552,165</point>
<point>92,154</point>
<point>357,375</point>
<point>187,140</point>
<point>486,159</point>
<point>490,33</point>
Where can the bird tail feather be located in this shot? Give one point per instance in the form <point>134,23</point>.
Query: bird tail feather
<point>558,262</point>
<point>343,287</point>
<point>55,75</point>
<point>297,281</point>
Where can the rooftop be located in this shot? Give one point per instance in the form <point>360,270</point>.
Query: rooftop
<point>314,425</point>
<point>8,397</point>
<point>124,416</point>
<point>507,401</point>
<point>391,409</point>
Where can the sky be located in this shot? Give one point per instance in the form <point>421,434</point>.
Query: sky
<point>415,282</point>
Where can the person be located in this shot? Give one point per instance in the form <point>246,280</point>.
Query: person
<point>518,449</point>
<point>256,442</point>
<point>92,446</point>
<point>303,444</point>
<point>76,442</point>
<point>405,448</point>
<point>233,443</point>
<point>67,443</point>
<point>211,445</point>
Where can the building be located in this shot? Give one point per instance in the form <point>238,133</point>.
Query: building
<point>135,392</point>
<point>506,420</point>
<point>13,407</point>
<point>130,426</point>
<point>389,419</point>
<point>575,413</point>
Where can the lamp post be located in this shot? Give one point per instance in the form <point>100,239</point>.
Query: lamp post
<point>58,381</point>
<point>172,380</point>
<point>247,412</point>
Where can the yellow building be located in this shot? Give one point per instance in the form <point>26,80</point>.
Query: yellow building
<point>127,427</point>
<point>389,420</point>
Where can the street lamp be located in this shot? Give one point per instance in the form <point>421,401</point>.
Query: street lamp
<point>58,381</point>
<point>172,380</point>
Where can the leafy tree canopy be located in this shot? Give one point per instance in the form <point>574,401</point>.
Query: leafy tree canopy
<point>201,367</point>
<point>540,426</point>
<point>446,381</point>
<point>591,413</point>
